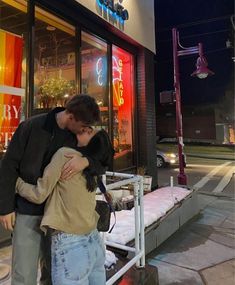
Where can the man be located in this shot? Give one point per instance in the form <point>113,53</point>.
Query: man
<point>30,150</point>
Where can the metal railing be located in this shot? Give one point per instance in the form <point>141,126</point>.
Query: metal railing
<point>138,250</point>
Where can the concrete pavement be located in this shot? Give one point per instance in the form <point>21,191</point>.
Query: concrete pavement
<point>203,251</point>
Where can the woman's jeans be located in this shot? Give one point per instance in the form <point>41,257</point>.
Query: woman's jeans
<point>77,259</point>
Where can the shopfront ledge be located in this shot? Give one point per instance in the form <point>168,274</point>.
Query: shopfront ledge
<point>161,229</point>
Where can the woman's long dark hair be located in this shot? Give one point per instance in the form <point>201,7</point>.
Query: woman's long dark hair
<point>100,150</point>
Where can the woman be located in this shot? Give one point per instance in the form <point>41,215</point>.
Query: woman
<point>78,253</point>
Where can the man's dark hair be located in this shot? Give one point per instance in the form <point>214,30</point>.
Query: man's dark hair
<point>84,108</point>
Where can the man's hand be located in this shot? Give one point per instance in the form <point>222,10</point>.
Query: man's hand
<point>8,221</point>
<point>73,166</point>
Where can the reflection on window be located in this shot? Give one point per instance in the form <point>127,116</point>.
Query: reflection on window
<point>94,73</point>
<point>12,68</point>
<point>122,65</point>
<point>54,62</point>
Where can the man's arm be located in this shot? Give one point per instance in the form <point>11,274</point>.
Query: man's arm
<point>9,172</point>
<point>8,221</point>
<point>45,185</point>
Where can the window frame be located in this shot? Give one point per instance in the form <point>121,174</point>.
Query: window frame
<point>97,30</point>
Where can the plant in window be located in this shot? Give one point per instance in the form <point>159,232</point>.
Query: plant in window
<point>55,90</point>
<point>141,170</point>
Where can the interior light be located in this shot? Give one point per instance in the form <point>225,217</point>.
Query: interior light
<point>51,28</point>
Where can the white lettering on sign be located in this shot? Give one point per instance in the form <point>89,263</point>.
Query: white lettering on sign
<point>5,137</point>
<point>10,111</point>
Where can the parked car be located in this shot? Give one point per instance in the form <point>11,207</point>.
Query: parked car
<point>165,158</point>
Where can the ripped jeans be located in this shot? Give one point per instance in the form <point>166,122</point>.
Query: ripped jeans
<point>77,259</point>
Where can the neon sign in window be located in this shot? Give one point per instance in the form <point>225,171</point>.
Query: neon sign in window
<point>123,93</point>
<point>118,87</point>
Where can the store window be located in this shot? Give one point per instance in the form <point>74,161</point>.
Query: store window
<point>13,29</point>
<point>54,60</point>
<point>123,91</point>
<point>94,73</point>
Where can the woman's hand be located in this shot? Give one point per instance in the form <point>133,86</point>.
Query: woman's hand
<point>73,166</point>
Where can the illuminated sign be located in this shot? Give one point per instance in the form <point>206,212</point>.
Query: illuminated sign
<point>99,72</point>
<point>115,8</point>
<point>117,77</point>
<point>118,81</point>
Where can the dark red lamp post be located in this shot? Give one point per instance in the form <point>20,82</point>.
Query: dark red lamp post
<point>201,72</point>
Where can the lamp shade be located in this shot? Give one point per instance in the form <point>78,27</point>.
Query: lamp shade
<point>202,70</point>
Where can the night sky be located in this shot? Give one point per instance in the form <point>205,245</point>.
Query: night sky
<point>206,21</point>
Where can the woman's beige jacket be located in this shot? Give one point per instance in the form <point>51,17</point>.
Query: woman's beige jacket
<point>69,207</point>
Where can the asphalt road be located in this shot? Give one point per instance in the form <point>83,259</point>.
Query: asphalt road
<point>213,176</point>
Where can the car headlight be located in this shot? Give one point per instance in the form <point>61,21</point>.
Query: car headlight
<point>171,155</point>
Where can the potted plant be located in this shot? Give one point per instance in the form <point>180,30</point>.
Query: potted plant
<point>147,180</point>
<point>53,91</point>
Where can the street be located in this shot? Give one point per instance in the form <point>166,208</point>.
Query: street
<point>204,174</point>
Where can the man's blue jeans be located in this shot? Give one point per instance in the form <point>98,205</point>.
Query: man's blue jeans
<point>30,249</point>
<point>78,259</point>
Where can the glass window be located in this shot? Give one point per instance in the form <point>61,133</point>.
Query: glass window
<point>54,61</point>
<point>94,73</point>
<point>123,72</point>
<point>12,67</point>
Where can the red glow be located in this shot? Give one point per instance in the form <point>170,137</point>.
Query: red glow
<point>123,93</point>
<point>10,75</point>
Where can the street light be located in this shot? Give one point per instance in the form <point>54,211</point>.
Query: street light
<point>201,72</point>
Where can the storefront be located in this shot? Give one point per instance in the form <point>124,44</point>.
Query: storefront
<point>51,50</point>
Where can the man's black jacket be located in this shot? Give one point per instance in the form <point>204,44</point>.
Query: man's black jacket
<point>27,155</point>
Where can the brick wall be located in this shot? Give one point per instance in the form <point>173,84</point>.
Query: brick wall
<point>146,126</point>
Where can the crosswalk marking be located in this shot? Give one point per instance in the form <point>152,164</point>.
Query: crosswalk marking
<point>205,179</point>
<point>224,181</point>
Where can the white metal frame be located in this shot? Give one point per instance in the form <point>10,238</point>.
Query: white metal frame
<point>139,248</point>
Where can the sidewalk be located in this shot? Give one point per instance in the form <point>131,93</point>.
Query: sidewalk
<point>200,253</point>
<point>203,251</point>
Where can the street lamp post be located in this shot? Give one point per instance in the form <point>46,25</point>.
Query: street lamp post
<point>201,72</point>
